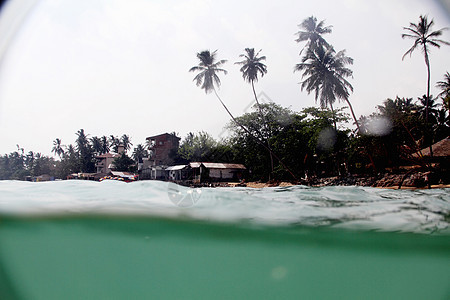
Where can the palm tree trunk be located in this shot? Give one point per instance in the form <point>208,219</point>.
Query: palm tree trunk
<point>427,62</point>
<point>359,132</point>
<point>254,137</point>
<point>265,123</point>
<point>334,116</point>
<point>353,115</point>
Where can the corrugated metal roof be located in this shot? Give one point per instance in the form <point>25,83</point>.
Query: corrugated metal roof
<point>217,165</point>
<point>174,168</point>
<point>123,174</point>
<point>195,164</point>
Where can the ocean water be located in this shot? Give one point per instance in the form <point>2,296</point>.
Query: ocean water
<point>158,240</point>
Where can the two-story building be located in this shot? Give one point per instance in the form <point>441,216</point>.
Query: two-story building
<point>162,149</point>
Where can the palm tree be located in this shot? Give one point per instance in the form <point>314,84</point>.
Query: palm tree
<point>445,87</point>
<point>114,143</point>
<point>208,68</point>
<point>82,141</point>
<point>207,76</point>
<point>424,38</point>
<point>312,32</point>
<point>105,144</point>
<point>326,73</point>
<point>96,144</point>
<point>139,152</point>
<point>251,68</point>
<point>57,147</point>
<point>126,142</point>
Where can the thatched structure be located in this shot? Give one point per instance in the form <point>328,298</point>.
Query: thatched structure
<point>440,149</point>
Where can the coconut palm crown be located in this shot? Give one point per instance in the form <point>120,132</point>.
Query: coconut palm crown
<point>444,85</point>
<point>208,68</point>
<point>252,65</point>
<point>325,74</point>
<point>312,32</point>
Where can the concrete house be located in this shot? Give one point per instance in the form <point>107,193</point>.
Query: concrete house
<point>104,162</point>
<point>161,148</point>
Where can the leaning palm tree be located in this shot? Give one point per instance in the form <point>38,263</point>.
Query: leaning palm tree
<point>425,39</point>
<point>312,33</point>
<point>206,79</point>
<point>326,73</point>
<point>252,66</point>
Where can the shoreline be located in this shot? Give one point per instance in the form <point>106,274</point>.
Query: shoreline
<point>255,184</point>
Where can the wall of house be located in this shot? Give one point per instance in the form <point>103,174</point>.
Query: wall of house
<point>161,147</point>
<point>221,173</point>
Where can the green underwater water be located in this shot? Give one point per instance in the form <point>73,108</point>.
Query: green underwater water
<point>132,257</point>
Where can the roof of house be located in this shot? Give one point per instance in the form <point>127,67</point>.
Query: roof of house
<point>161,135</point>
<point>440,149</point>
<point>209,165</point>
<point>174,168</point>
<point>107,155</point>
<point>123,174</point>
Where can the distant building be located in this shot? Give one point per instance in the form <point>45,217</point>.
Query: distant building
<point>162,149</point>
<point>178,172</point>
<point>105,161</point>
<point>205,171</point>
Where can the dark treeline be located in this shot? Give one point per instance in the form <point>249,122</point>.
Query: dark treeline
<point>73,158</point>
<point>306,141</point>
<point>309,144</point>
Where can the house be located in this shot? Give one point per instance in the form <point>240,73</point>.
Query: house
<point>205,171</point>
<point>441,149</point>
<point>153,172</point>
<point>162,148</point>
<point>105,161</point>
<point>179,172</point>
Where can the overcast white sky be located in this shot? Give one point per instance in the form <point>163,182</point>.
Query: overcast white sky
<point>116,66</point>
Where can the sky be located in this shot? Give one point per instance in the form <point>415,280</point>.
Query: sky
<point>114,67</point>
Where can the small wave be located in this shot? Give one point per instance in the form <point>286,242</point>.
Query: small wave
<point>424,211</point>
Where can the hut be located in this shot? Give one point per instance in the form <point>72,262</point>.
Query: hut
<point>206,171</point>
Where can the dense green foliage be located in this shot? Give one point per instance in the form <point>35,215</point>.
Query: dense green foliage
<point>80,158</point>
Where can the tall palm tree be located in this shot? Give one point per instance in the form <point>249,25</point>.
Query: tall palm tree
<point>312,33</point>
<point>424,38</point>
<point>207,77</point>
<point>326,73</point>
<point>252,66</point>
<point>208,68</point>
<point>57,147</point>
